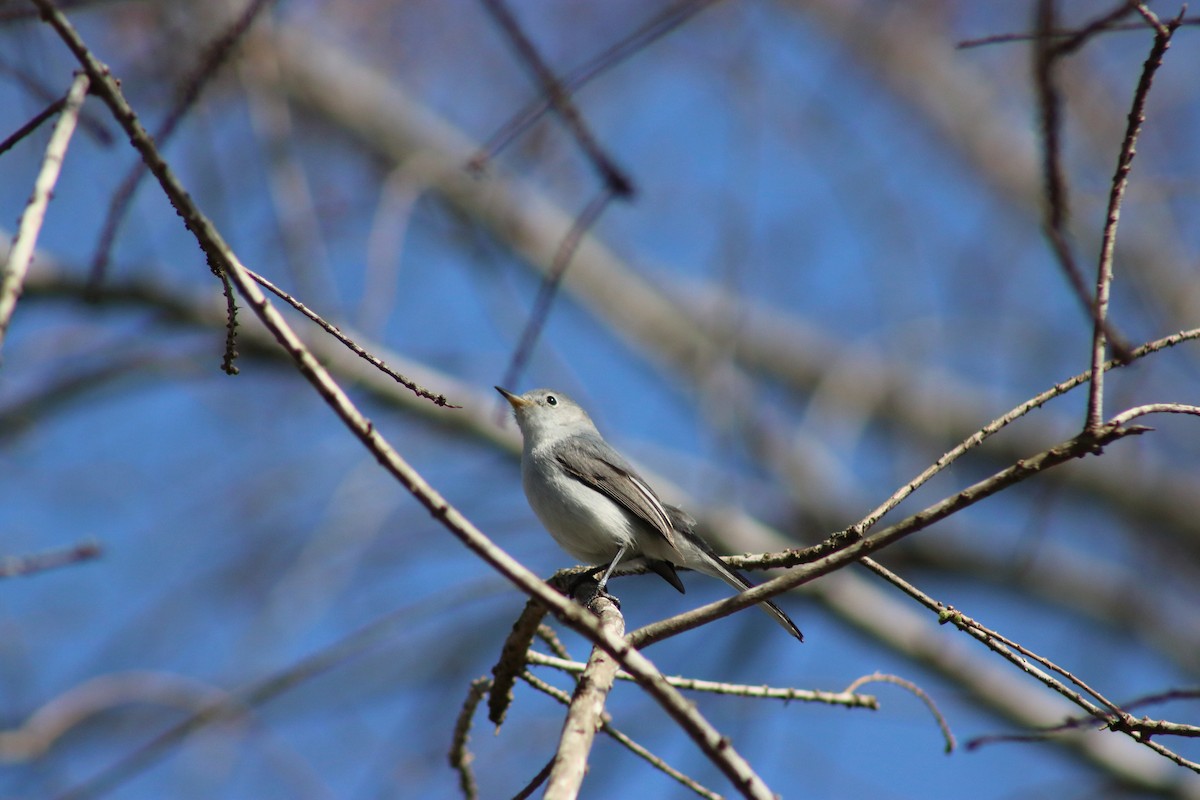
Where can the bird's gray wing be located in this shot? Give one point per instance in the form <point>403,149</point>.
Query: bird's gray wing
<point>593,463</point>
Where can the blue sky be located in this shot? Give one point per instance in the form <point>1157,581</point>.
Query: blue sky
<point>244,529</point>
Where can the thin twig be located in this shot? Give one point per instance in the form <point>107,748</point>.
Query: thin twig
<point>460,755</point>
<point>535,782</point>
<point>1155,408</point>
<point>1111,714</point>
<point>335,332</point>
<point>846,698</point>
<point>977,438</point>
<point>616,182</point>
<point>1144,726</point>
<point>550,637</point>
<point>33,563</point>
<point>230,353</point>
<point>1101,24</point>
<point>212,57</point>
<point>1104,270</point>
<point>1047,54</point>
<point>22,74</point>
<point>33,124</point>
<point>549,286</point>
<point>920,693</point>
<point>1009,38</point>
<point>512,659</point>
<point>653,29</point>
<point>12,276</point>
<point>1000,643</point>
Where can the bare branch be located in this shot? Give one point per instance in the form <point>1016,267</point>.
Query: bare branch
<point>655,28</point>
<point>1060,454</point>
<point>335,332</point>
<point>549,287</point>
<point>460,756</point>
<point>1098,25</point>
<point>1104,270</point>
<point>214,55</point>
<point>512,659</point>
<point>1112,715</point>
<point>1154,408</point>
<point>16,566</point>
<point>32,125</point>
<point>616,182</point>
<point>921,694</point>
<point>586,711</point>
<point>617,736</point>
<point>846,698</point>
<point>12,277</point>
<point>977,438</point>
<point>716,747</point>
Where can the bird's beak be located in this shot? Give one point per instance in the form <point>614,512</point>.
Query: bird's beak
<point>516,401</point>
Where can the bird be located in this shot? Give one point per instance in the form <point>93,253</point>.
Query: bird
<point>596,505</point>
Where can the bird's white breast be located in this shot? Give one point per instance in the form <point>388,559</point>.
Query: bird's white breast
<point>584,522</point>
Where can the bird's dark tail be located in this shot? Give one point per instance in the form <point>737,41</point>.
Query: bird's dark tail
<point>702,558</point>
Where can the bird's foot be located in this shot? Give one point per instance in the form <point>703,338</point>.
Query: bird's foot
<point>585,589</point>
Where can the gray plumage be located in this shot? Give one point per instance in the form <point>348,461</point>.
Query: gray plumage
<point>598,508</point>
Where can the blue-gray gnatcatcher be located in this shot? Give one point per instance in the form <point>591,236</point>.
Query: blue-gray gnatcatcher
<point>598,508</point>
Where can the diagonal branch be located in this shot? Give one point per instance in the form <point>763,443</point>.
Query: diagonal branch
<point>1106,711</point>
<point>615,734</point>
<point>715,746</point>
<point>12,277</point>
<point>335,332</point>
<point>616,182</point>
<point>655,28</point>
<point>215,54</point>
<point>550,283</point>
<point>32,125</point>
<point>1037,401</point>
<point>1069,450</point>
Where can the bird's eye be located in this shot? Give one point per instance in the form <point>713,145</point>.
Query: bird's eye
<point>551,400</point>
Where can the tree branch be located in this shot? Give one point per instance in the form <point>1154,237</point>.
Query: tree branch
<point>12,277</point>
<point>716,747</point>
<point>585,714</point>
